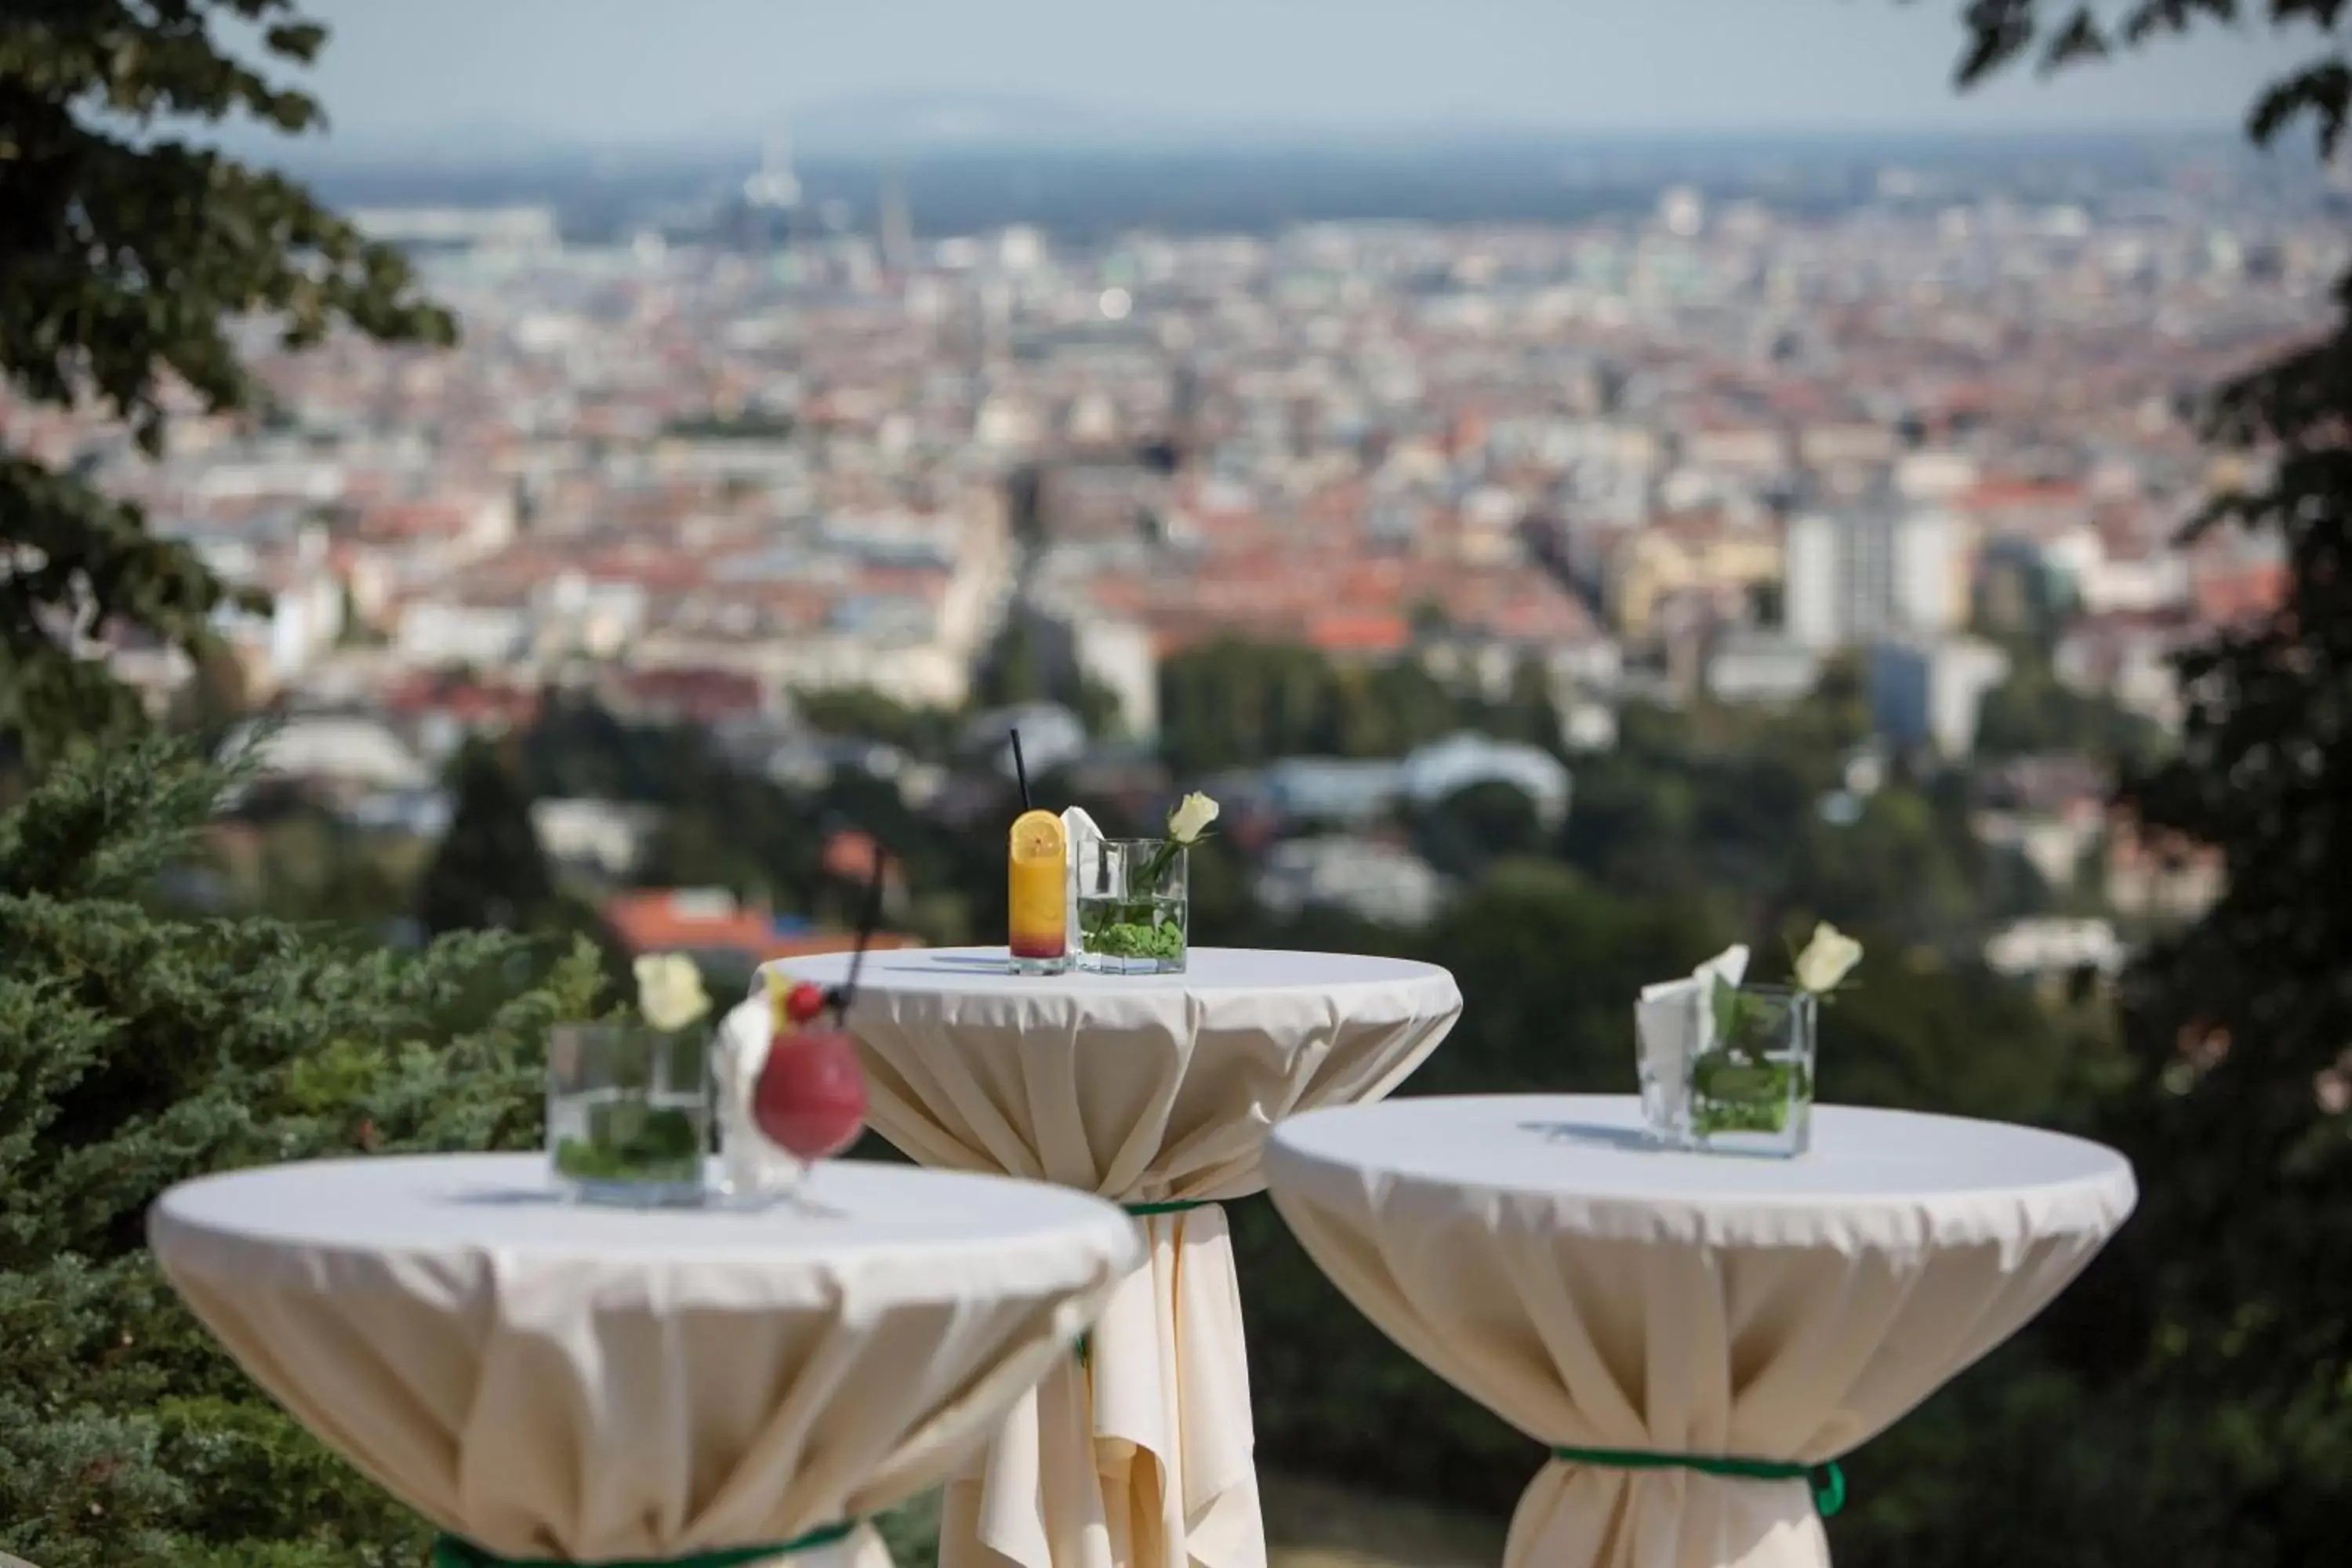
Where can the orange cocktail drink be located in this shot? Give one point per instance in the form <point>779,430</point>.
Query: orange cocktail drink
<point>1037,866</point>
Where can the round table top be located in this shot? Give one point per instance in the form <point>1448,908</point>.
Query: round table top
<point>961,1226</point>
<point>971,971</point>
<point>1141,1088</point>
<point>1593,1150</point>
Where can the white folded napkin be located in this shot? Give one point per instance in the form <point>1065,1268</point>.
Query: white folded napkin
<point>751,1165</point>
<point>1673,1028</point>
<point>1080,837</point>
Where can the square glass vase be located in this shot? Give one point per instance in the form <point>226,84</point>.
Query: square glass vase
<point>1133,906</point>
<point>628,1113</point>
<point>1749,1081</point>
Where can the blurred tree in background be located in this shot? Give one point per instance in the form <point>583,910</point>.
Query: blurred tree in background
<point>1528,712</point>
<point>489,872</point>
<point>2034,711</point>
<point>1032,660</point>
<point>127,251</point>
<point>2190,1400</point>
<point>1234,703</point>
<point>869,715</point>
<point>304,863</point>
<point>1475,826</point>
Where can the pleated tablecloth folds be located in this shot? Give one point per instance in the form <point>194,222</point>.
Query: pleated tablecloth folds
<point>1634,1309</point>
<point>544,1380</point>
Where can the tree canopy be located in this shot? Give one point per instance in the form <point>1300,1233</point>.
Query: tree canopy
<point>2215,1341</point>
<point>131,248</point>
<point>2055,36</point>
<point>489,872</point>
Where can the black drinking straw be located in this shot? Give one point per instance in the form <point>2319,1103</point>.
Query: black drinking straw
<point>1021,770</point>
<point>869,919</point>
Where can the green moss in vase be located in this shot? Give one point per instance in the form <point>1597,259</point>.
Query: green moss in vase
<point>630,1140</point>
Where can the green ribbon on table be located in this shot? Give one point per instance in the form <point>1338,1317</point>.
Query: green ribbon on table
<point>454,1552</point>
<point>1144,1211</point>
<point>1827,1481</point>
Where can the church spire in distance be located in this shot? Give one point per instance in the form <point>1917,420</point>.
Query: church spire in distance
<point>772,191</point>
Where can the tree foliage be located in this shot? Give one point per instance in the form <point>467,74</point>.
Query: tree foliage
<point>138,1047</point>
<point>489,872</point>
<point>2033,712</point>
<point>2241,1027</point>
<point>131,250</point>
<point>862,713</point>
<point>1234,703</point>
<point>2054,36</point>
<point>2203,1371</point>
<point>1032,660</point>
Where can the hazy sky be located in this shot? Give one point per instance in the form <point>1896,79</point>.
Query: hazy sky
<point>634,70</point>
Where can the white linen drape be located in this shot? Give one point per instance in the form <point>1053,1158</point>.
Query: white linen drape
<point>553,1381</point>
<point>1598,1295</point>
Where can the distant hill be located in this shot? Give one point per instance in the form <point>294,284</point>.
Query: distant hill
<point>908,122</point>
<point>878,125</point>
<point>969,163</point>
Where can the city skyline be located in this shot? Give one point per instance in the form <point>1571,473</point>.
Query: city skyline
<point>526,73</point>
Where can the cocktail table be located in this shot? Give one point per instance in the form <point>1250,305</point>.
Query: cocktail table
<point>552,1381</point>
<point>1156,1092</point>
<point>1697,1337</point>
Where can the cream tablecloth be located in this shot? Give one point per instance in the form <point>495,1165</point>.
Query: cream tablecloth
<point>554,1380</point>
<point>1598,1294</point>
<point>1144,1090</point>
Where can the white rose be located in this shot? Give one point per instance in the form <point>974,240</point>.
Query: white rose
<point>669,990</point>
<point>1191,817</point>
<point>1827,959</point>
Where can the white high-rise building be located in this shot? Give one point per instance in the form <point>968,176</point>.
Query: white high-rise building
<point>1812,580</point>
<point>1849,577</point>
<point>1921,568</point>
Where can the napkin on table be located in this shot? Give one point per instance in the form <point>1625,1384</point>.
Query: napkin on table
<point>1080,837</point>
<point>753,1165</point>
<point>1673,1029</point>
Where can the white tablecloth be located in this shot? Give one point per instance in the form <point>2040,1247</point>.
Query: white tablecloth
<point>1598,1294</point>
<point>1141,1089</point>
<point>555,1380</point>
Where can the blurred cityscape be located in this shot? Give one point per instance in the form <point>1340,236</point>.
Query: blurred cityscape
<point>847,492</point>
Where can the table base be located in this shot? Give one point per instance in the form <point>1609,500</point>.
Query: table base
<point>1141,1455</point>
<point>854,1545</point>
<point>1582,1516</point>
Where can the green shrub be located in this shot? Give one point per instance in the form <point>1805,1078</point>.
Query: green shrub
<point>141,1046</point>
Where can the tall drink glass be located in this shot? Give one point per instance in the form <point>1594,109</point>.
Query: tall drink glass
<point>1037,864</point>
